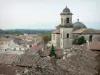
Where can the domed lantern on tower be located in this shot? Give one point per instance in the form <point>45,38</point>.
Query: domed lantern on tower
<point>66,11</point>
<point>66,17</point>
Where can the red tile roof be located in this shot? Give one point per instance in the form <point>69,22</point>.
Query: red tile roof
<point>36,47</point>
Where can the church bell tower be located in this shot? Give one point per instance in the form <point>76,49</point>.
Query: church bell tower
<point>66,29</point>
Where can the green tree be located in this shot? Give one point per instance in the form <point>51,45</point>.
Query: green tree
<point>81,40</point>
<point>52,52</point>
<point>46,38</point>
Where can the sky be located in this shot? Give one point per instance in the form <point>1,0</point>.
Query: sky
<point>45,14</point>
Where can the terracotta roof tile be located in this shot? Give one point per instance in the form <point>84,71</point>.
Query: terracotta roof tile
<point>36,47</point>
<point>27,60</point>
<point>8,58</point>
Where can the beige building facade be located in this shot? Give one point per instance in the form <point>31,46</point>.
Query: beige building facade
<point>65,33</point>
<point>62,36</point>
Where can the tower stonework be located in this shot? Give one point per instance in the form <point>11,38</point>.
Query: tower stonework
<point>66,29</point>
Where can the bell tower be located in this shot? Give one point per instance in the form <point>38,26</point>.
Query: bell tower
<point>66,29</point>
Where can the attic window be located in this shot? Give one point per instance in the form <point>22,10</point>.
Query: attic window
<point>67,20</point>
<point>67,35</point>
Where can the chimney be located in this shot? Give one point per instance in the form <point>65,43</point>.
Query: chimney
<point>64,52</point>
<point>53,61</point>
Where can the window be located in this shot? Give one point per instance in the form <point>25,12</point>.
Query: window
<point>67,35</point>
<point>90,38</point>
<point>67,20</point>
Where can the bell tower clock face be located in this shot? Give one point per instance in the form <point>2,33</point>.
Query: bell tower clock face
<point>67,20</point>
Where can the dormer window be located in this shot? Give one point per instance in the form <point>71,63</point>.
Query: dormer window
<point>67,20</point>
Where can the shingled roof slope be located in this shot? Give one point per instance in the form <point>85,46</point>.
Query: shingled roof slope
<point>9,70</point>
<point>86,31</point>
<point>81,62</point>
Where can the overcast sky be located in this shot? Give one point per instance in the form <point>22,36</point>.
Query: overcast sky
<point>45,14</point>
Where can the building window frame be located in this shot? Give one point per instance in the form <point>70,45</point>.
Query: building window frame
<point>67,20</point>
